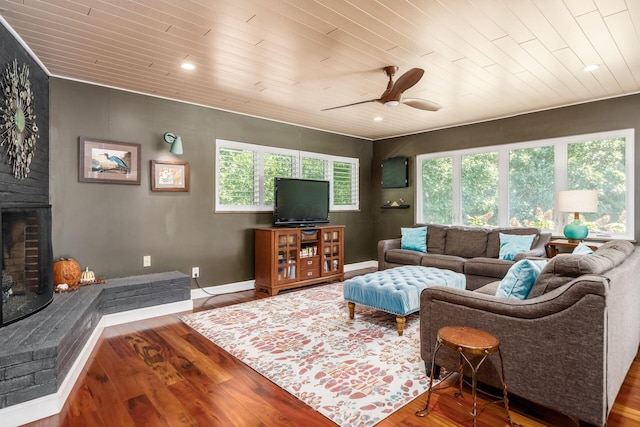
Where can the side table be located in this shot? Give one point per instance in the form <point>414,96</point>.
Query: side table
<point>552,246</point>
<point>468,342</point>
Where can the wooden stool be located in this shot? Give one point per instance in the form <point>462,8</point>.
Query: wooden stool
<point>474,342</point>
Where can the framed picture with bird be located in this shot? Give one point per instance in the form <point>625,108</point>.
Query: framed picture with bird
<point>108,161</point>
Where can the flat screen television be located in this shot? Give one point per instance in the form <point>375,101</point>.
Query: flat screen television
<point>300,202</point>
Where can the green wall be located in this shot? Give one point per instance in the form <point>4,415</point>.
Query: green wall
<point>612,114</point>
<point>110,227</point>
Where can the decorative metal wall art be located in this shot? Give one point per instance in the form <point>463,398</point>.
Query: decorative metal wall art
<point>18,128</point>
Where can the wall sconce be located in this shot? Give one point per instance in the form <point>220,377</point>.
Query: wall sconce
<point>577,201</point>
<point>175,141</point>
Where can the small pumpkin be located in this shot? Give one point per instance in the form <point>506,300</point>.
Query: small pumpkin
<point>87,276</point>
<point>66,270</point>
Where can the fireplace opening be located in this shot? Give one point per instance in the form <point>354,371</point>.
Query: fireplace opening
<point>27,261</point>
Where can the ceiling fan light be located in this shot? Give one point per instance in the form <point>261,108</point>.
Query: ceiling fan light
<point>392,103</point>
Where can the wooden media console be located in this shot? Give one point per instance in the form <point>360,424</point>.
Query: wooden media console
<point>288,258</point>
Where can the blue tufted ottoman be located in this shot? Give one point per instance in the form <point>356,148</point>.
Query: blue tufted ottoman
<point>397,290</point>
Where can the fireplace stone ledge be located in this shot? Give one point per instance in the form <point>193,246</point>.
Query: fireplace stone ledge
<point>37,353</point>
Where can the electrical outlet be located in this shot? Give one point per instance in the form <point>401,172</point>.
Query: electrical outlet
<point>195,272</point>
<point>146,261</point>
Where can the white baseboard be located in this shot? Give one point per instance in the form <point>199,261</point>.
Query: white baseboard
<point>223,289</point>
<point>46,406</point>
<point>361,265</point>
<point>250,284</point>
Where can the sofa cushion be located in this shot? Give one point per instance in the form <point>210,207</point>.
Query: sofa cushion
<point>582,249</point>
<point>466,242</point>
<point>447,262</point>
<point>489,267</point>
<point>518,281</point>
<point>493,240</point>
<point>565,267</point>
<point>414,239</point>
<point>436,238</point>
<point>403,256</point>
<point>512,244</point>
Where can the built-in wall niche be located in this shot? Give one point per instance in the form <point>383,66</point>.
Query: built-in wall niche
<point>395,172</point>
<point>27,261</point>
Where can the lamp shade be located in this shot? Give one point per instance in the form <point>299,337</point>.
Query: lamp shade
<point>176,147</point>
<point>578,201</point>
<point>175,141</point>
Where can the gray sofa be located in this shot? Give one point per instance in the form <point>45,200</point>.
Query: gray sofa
<point>472,251</point>
<point>569,345</point>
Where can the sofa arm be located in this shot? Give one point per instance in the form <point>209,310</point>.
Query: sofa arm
<point>539,249</point>
<point>383,247</point>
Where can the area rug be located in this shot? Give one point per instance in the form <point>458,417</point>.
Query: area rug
<point>354,372</point>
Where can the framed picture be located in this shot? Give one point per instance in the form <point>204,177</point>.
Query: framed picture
<point>169,175</point>
<point>108,161</point>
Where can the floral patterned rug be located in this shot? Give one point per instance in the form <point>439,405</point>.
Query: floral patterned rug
<point>354,372</point>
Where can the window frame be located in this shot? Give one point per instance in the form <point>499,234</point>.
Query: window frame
<point>560,145</point>
<point>259,151</point>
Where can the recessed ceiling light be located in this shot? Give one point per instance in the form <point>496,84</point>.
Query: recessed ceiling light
<point>591,67</point>
<point>377,119</point>
<point>188,66</point>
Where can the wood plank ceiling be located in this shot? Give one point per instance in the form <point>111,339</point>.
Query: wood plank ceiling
<point>286,60</point>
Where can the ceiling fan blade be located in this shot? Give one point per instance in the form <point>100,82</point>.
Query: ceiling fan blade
<point>406,81</point>
<point>421,104</point>
<point>349,105</point>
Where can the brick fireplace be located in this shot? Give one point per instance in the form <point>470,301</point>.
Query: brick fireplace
<point>27,261</point>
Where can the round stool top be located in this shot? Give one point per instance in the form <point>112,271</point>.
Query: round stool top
<point>469,340</point>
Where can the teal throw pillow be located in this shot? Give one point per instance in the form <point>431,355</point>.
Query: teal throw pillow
<point>519,280</point>
<point>512,244</point>
<point>582,249</point>
<point>414,239</point>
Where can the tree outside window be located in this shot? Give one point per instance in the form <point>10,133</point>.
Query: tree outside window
<point>600,165</point>
<point>437,191</point>
<point>531,187</point>
<point>275,165</point>
<point>480,189</point>
<point>236,176</point>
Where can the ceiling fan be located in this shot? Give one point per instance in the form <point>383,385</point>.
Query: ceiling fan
<point>393,95</point>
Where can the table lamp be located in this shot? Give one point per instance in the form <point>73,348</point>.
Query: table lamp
<point>577,201</point>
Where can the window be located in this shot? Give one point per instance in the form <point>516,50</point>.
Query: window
<point>479,184</point>
<point>437,194</point>
<point>600,165</point>
<point>235,177</point>
<point>314,168</point>
<point>516,184</point>
<point>344,192</point>
<point>531,187</point>
<point>245,173</point>
<point>275,165</point>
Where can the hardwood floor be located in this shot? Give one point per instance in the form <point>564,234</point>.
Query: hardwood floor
<point>160,372</point>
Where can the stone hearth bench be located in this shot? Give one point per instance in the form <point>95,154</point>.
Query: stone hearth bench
<point>37,353</point>
<point>397,290</point>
